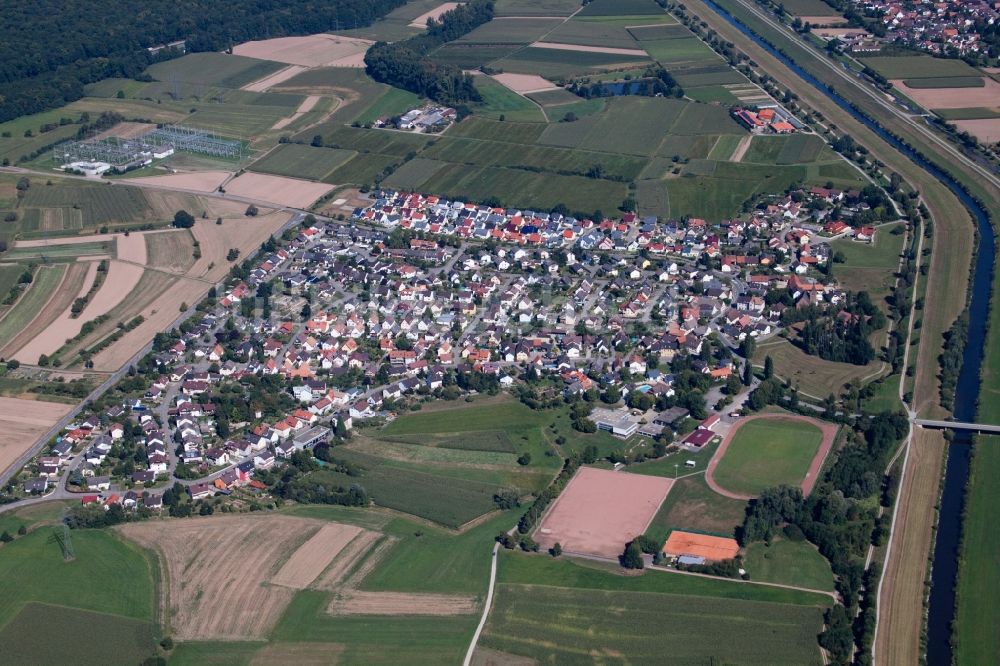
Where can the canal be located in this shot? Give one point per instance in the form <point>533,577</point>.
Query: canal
<point>945,568</point>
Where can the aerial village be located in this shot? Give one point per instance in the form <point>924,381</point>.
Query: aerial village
<point>417,298</point>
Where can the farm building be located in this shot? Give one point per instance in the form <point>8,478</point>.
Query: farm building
<point>700,548</point>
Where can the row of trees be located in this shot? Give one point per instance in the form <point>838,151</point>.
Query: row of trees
<point>110,39</point>
<point>404,64</point>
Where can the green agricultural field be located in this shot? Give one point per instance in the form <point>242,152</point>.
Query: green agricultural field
<point>446,500</point>
<point>520,569</point>
<point>919,67</point>
<point>241,121</point>
<point>706,119</point>
<point>9,275</point>
<point>792,149</point>
<point>620,8</point>
<point>767,452</point>
<point>557,610</point>
<point>376,639</point>
<point>652,198</point>
<point>947,82</point>
<point>723,194</point>
<point>362,169</point>
<point>60,252</point>
<point>975,113</point>
<point>809,8</point>
<point>870,267</point>
<point>536,158</point>
<point>535,7</point>
<point>657,32</point>
<point>30,302</point>
<point>381,141</point>
<point>499,100</point>
<point>519,31</point>
<point>977,639</point>
<point>709,75</point>
<point>437,561</point>
<point>83,637</point>
<point>556,97</point>
<point>692,505</point>
<point>472,56</point>
<point>789,563</point>
<point>630,21</point>
<point>710,94</point>
<point>108,575</point>
<point>300,161</point>
<point>481,128</point>
<point>563,625</point>
<point>393,102</point>
<point>631,125</point>
<point>514,187</point>
<point>560,63</point>
<point>99,204</point>
<point>216,69</point>
<point>670,52</point>
<point>411,175</point>
<point>592,33</point>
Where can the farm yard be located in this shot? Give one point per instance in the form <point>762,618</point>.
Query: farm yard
<point>767,451</point>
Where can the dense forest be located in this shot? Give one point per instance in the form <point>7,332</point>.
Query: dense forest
<point>52,48</point>
<point>404,64</point>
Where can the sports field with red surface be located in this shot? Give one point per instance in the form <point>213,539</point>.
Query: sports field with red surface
<point>599,511</point>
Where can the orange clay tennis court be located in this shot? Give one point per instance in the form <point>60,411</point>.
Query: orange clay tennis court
<point>712,548</point>
<point>599,511</point>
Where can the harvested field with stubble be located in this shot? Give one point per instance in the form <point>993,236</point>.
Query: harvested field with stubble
<point>208,595</point>
<point>309,561</point>
<point>308,51</point>
<point>987,95</point>
<point>599,511</point>
<point>400,603</point>
<point>201,181</point>
<point>21,422</point>
<point>524,83</point>
<point>335,574</point>
<point>39,332</point>
<point>245,234</point>
<point>902,590</point>
<point>277,189</point>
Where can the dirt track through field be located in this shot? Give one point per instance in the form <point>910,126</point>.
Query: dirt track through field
<point>829,431</point>
<point>305,107</point>
<point>309,561</point>
<point>639,53</point>
<point>21,422</point>
<point>400,603</point>
<point>741,149</point>
<point>271,80</point>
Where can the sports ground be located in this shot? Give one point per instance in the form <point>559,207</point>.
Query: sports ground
<point>600,511</point>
